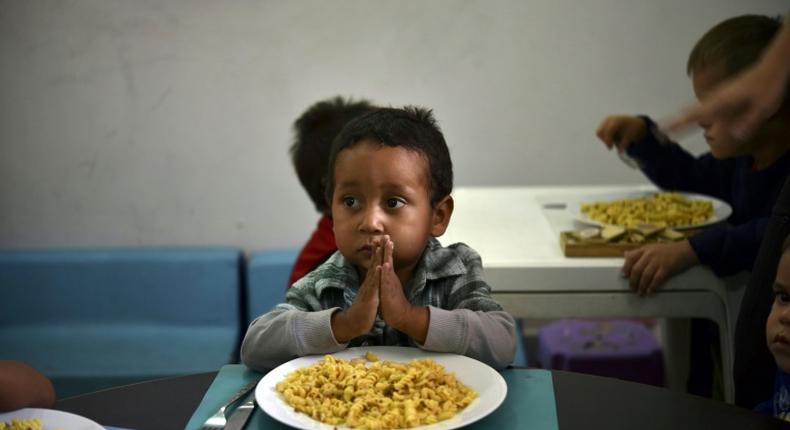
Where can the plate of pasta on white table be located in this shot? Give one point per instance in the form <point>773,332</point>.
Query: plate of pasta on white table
<point>381,387</point>
<point>673,209</point>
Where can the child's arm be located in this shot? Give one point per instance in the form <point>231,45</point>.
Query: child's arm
<point>472,322</point>
<point>286,333</point>
<point>488,336</point>
<point>728,250</point>
<point>666,163</point>
<point>300,326</point>
<point>670,166</point>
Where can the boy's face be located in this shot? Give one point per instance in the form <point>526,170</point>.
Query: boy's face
<point>777,328</point>
<point>722,144</point>
<point>381,190</point>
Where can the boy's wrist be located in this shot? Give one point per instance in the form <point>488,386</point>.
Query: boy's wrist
<point>343,328</point>
<point>415,323</point>
<point>689,255</point>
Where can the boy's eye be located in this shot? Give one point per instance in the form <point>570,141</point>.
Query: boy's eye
<point>394,203</point>
<point>350,202</point>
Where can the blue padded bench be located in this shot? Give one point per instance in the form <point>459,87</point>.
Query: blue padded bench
<point>267,274</point>
<point>267,280</point>
<point>90,319</point>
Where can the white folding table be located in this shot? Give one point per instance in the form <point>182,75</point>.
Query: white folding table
<point>516,232</point>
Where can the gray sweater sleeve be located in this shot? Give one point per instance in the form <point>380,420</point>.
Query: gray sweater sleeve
<point>284,334</point>
<point>486,336</point>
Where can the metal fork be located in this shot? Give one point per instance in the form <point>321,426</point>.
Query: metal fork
<point>218,420</point>
<point>624,157</point>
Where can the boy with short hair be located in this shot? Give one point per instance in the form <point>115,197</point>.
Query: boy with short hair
<point>746,174</point>
<point>777,333</point>
<point>314,131</point>
<point>391,282</point>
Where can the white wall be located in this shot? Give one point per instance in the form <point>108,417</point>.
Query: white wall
<point>168,122</point>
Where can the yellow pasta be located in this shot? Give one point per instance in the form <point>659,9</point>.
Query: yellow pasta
<point>664,209</point>
<point>22,424</point>
<point>379,395</point>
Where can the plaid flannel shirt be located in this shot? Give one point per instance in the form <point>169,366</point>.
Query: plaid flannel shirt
<point>464,319</point>
<point>446,278</point>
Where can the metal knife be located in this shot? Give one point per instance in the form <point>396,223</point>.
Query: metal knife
<point>240,416</point>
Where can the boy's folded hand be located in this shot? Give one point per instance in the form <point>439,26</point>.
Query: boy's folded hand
<point>394,305</point>
<point>358,319</point>
<point>649,266</point>
<point>620,131</point>
<point>396,310</point>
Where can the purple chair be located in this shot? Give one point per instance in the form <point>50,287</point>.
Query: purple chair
<point>618,349</point>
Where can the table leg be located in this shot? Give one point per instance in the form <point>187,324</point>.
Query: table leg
<point>620,304</point>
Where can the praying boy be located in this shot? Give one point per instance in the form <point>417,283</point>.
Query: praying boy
<point>390,282</point>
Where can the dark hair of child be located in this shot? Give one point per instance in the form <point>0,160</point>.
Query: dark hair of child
<point>314,131</point>
<point>733,44</point>
<point>413,128</point>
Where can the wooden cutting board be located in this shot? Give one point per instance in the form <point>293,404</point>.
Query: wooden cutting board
<point>573,247</point>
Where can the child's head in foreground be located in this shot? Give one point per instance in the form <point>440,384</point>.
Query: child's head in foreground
<point>314,132</point>
<point>777,328</point>
<point>724,51</point>
<point>389,173</point>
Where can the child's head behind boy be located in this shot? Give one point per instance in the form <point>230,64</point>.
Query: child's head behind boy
<point>389,174</point>
<point>314,132</point>
<point>724,51</point>
<point>777,327</point>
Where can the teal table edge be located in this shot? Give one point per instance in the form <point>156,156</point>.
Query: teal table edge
<point>529,403</point>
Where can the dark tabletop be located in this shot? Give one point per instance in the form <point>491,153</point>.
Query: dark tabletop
<point>583,402</point>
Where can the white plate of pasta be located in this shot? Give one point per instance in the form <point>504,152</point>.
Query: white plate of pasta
<point>678,210</point>
<point>487,384</point>
<point>48,419</point>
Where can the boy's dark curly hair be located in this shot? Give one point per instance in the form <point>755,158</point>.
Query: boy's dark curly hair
<point>413,128</point>
<point>314,131</point>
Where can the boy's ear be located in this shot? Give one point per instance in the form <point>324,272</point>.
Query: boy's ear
<point>441,216</point>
